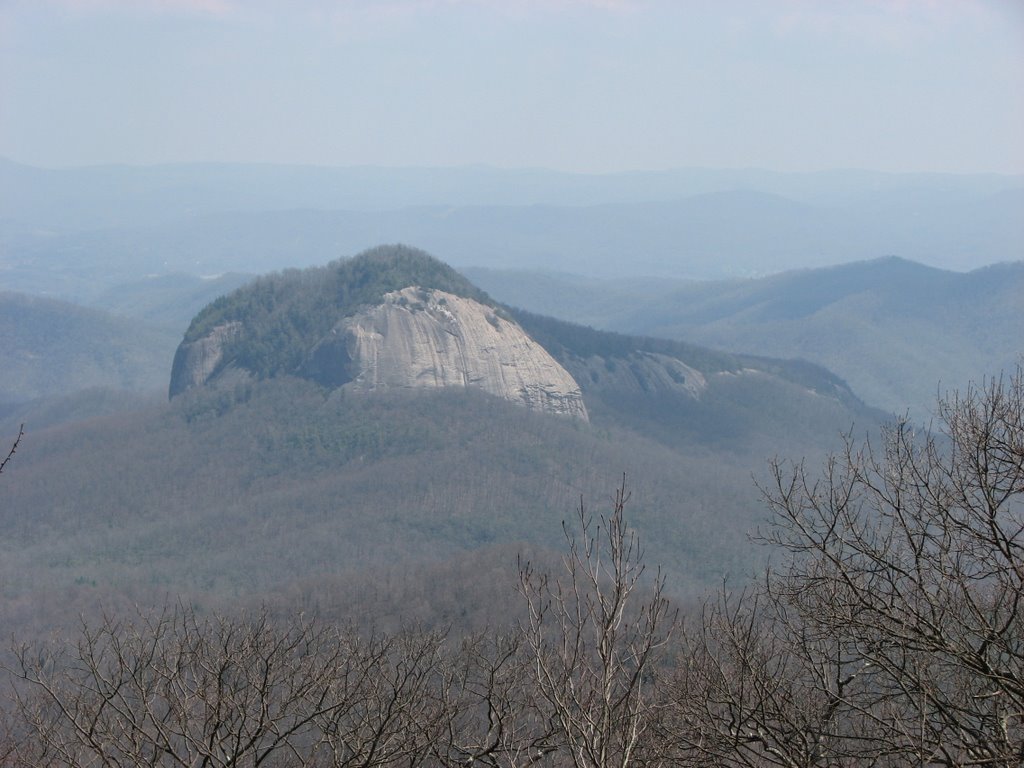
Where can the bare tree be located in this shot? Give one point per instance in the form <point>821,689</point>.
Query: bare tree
<point>755,686</point>
<point>895,632</point>
<point>575,684</point>
<point>14,448</point>
<point>175,690</point>
<point>386,708</point>
<point>493,716</point>
<point>595,636</point>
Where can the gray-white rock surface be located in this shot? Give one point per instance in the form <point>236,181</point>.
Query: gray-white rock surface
<point>196,361</point>
<point>421,338</point>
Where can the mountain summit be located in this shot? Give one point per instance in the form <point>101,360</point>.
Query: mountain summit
<point>390,318</point>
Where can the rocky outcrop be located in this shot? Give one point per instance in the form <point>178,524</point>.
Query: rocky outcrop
<point>638,372</point>
<point>420,338</point>
<point>196,361</point>
<point>416,338</point>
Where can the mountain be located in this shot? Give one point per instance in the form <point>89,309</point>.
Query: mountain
<point>396,318</point>
<point>267,482</point>
<point>893,329</point>
<point>50,348</point>
<point>391,318</point>
<point>102,197</point>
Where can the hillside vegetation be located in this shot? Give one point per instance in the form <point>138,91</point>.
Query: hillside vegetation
<point>50,348</point>
<point>878,636</point>
<point>275,491</point>
<point>170,301</point>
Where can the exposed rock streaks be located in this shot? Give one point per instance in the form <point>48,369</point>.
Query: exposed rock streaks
<point>195,362</point>
<point>421,338</point>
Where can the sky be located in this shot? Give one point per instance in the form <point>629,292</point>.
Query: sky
<point>590,86</point>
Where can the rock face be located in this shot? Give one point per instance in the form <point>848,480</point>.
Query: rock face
<point>639,372</point>
<point>195,362</point>
<point>421,338</point>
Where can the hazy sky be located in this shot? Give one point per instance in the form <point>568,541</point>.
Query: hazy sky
<point>582,85</point>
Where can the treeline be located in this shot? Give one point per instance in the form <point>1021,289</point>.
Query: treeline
<point>890,632</point>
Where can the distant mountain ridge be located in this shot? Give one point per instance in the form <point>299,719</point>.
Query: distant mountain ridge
<point>78,232</point>
<point>103,195</point>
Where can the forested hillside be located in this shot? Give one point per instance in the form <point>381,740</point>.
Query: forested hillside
<point>52,348</point>
<point>277,492</point>
<point>170,301</point>
<point>283,316</point>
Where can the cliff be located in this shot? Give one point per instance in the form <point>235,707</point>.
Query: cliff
<point>419,338</point>
<point>195,362</point>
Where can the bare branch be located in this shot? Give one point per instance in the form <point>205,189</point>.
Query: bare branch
<point>596,636</point>
<point>14,448</point>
